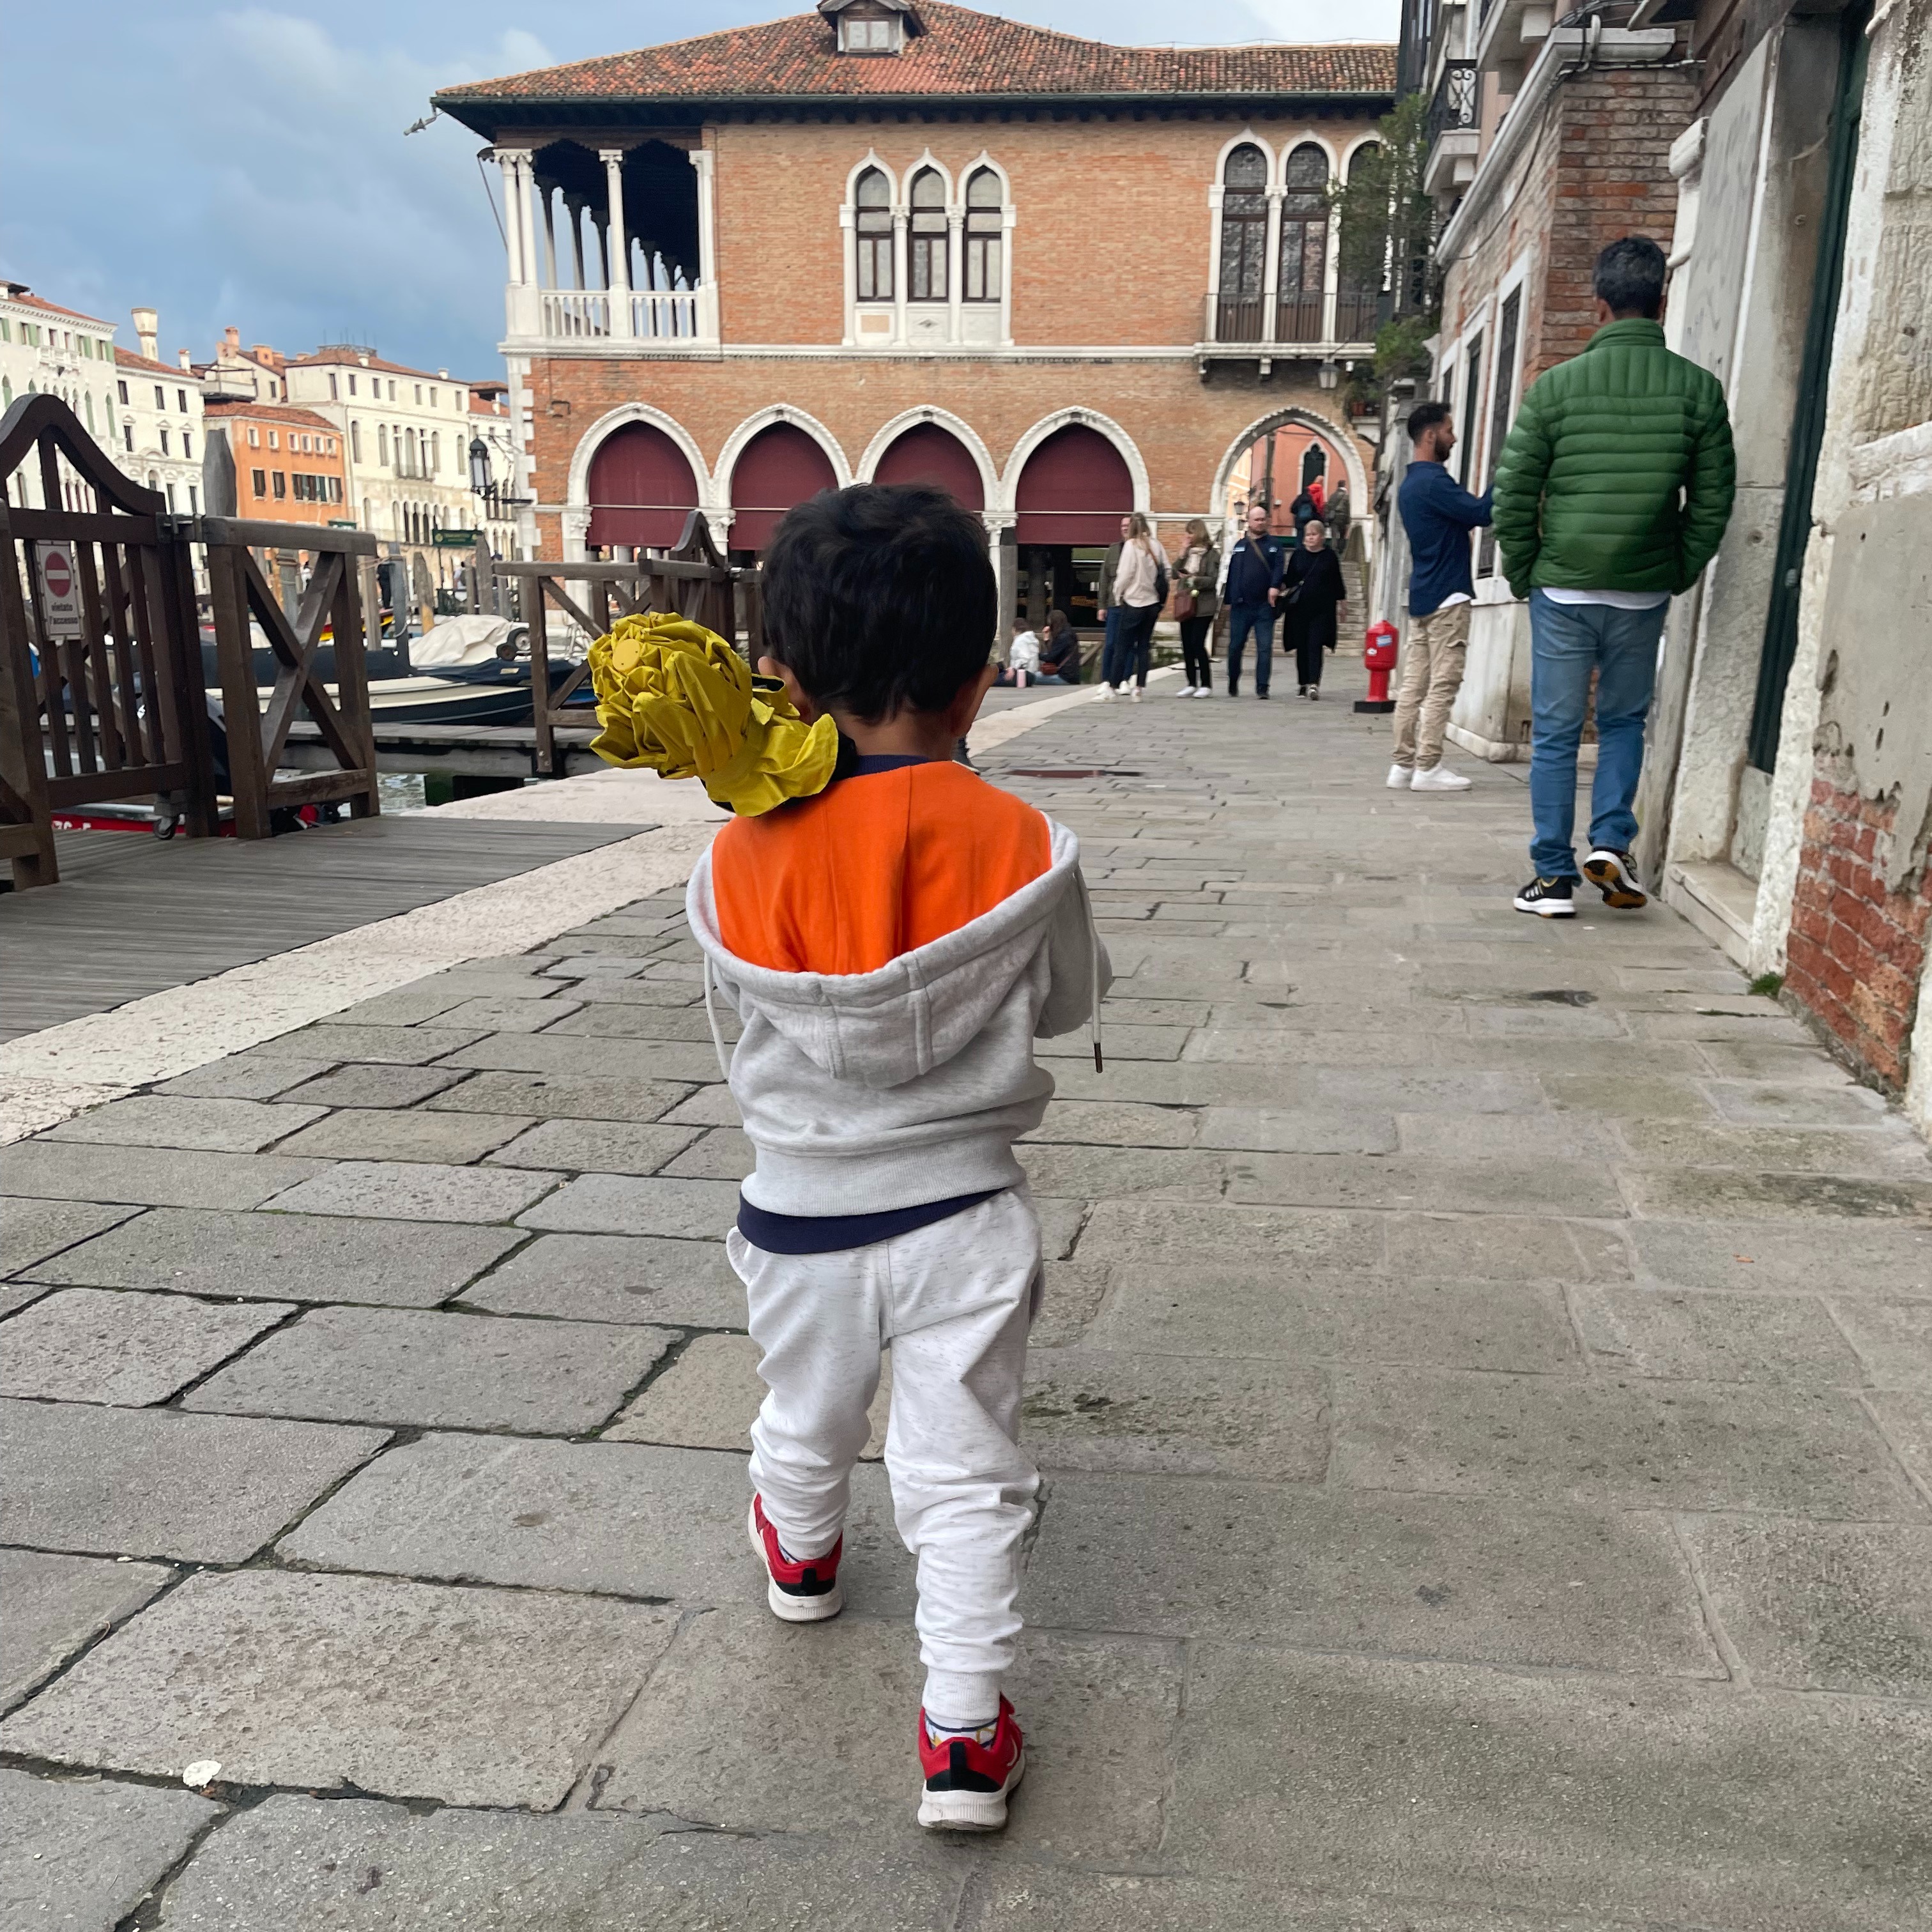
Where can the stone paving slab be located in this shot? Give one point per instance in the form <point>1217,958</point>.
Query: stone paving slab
<point>403,1690</point>
<point>719,1153</point>
<point>378,1045</point>
<point>244,1076</point>
<point>1850,1261</point>
<point>1083,1409</point>
<point>1132,1231</point>
<point>1678,1803</point>
<point>1874,1150</point>
<point>1907,1419</point>
<point>1298,1130</point>
<point>1145,1174</point>
<point>1416,1576</point>
<point>1803,1197</point>
<point>82,1855</point>
<point>1752,1103</point>
<point>416,1191</point>
<point>303,1866</point>
<point>711,1106</point>
<point>200,1489</point>
<point>578,1053</point>
<point>1893,1339</point>
<point>1404,1181</point>
<point>613,1203</point>
<point>57,1604</point>
<point>1714,1337</point>
<point>373,1086</point>
<point>1822,1606</point>
<point>18,1295</point>
<point>499,1013</point>
<point>639,1020</point>
<point>32,1231</point>
<point>101,1346</point>
<point>543,1096</point>
<point>1316,1316</point>
<point>741,1700</point>
<point>1504,1248</point>
<point>618,1518</point>
<point>708,1397</point>
<point>146,1176</point>
<point>1123,1123</point>
<point>288,1257</point>
<point>407,1368</point>
<point>600,1147</point>
<point>387,1134</point>
<point>625,1278</point>
<point>1683,1445</point>
<point>208,1127</point>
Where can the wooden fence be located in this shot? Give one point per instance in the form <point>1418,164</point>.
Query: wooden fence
<point>102,697</point>
<point>693,579</point>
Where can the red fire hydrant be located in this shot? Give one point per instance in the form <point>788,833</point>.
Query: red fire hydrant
<point>1379,649</point>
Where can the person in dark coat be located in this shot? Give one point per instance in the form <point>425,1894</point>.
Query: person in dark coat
<point>1312,591</point>
<point>1304,509</point>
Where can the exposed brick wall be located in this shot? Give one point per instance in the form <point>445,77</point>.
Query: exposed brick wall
<point>1855,954</point>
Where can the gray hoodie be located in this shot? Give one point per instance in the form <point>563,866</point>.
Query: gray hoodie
<point>866,1091</point>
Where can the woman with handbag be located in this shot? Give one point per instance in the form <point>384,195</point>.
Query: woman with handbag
<point>1312,591</point>
<point>1195,576</point>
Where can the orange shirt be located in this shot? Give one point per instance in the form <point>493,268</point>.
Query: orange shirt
<point>874,866</point>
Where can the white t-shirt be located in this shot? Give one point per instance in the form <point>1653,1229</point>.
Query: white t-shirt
<point>1618,600</point>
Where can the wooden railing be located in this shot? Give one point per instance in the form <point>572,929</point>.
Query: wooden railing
<point>100,695</point>
<point>257,732</point>
<point>693,579</point>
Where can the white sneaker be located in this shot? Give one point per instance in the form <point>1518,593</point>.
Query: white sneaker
<point>1109,691</point>
<point>1187,690</point>
<point>1398,778</point>
<point>1205,691</point>
<point>1139,691</point>
<point>1438,777</point>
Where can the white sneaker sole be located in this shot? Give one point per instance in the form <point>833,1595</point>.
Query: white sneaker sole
<point>1611,878</point>
<point>786,1608</point>
<point>970,1810</point>
<point>1428,782</point>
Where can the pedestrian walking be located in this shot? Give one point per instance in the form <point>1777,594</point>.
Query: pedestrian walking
<point>1612,494</point>
<point>893,945</point>
<point>1252,589</point>
<point>1336,515</point>
<point>1303,510</point>
<point>1196,576</point>
<point>1438,514</point>
<point>1133,588</point>
<point>1312,591</point>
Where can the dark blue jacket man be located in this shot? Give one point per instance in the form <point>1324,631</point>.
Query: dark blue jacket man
<point>1253,587</point>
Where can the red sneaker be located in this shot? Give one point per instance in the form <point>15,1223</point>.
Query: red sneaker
<point>967,1783</point>
<point>801,1593</point>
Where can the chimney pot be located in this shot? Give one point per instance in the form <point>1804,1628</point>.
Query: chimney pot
<point>231,338</point>
<point>147,329</point>
<point>183,359</point>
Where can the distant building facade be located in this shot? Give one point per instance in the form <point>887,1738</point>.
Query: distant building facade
<point>289,462</point>
<point>887,241</point>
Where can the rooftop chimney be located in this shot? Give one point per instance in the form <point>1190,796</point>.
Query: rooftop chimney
<point>183,359</point>
<point>147,329</point>
<point>231,339</point>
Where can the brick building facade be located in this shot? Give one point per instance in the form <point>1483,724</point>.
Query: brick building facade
<point>1067,280</point>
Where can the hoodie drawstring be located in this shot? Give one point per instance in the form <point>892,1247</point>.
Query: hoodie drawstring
<point>1093,968</point>
<point>711,1014</point>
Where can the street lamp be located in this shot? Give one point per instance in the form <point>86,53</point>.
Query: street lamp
<point>1329,374</point>
<point>479,466</point>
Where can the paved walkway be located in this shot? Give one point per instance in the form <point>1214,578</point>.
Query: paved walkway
<point>1483,1390</point>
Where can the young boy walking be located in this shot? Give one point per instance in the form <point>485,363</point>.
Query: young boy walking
<point>893,946</point>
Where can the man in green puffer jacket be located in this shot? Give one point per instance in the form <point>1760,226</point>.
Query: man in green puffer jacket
<point>1611,495</point>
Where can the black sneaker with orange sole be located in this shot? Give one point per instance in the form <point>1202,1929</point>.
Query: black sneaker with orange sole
<point>969,1776</point>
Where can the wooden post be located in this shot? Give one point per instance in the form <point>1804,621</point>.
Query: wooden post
<point>26,834</point>
<point>240,709</point>
<point>546,757</point>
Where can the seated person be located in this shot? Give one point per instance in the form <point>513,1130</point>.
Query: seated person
<point>1060,650</point>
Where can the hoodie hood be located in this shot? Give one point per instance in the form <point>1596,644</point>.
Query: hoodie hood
<point>914,1015</point>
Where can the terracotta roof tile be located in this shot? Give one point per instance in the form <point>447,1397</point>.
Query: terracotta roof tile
<point>19,293</point>
<point>962,53</point>
<point>218,409</point>
<point>126,358</point>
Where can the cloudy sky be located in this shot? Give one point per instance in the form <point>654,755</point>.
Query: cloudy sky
<point>250,166</point>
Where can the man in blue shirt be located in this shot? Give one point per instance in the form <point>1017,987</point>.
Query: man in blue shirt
<point>1253,588</point>
<point>1438,513</point>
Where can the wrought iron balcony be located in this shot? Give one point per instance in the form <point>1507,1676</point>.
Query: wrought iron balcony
<point>1453,104</point>
<point>1454,134</point>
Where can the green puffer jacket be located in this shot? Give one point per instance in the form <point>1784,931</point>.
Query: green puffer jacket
<point>1618,473</point>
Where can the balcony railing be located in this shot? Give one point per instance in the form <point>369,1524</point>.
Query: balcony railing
<point>1453,106</point>
<point>661,315</point>
<point>1298,318</point>
<point>576,312</point>
<point>1357,315</point>
<point>1237,319</point>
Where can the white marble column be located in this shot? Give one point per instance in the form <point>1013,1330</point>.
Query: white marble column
<point>617,245</point>
<point>1331,275</point>
<point>901,222</point>
<point>1271,267</point>
<point>955,269</point>
<point>705,162</point>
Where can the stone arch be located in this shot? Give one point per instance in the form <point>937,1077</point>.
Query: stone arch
<point>957,426</point>
<point>778,415</point>
<point>1336,434</point>
<point>1061,419</point>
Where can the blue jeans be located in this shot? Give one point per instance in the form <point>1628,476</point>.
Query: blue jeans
<point>1129,645</point>
<point>1566,642</point>
<point>1243,618</point>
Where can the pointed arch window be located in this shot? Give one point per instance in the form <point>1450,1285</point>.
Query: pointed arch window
<point>1243,244</point>
<point>873,218</point>
<point>1361,265</point>
<point>928,265</point>
<point>984,236</point>
<point>1304,245</point>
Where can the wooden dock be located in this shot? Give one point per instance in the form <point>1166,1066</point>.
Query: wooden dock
<point>133,915</point>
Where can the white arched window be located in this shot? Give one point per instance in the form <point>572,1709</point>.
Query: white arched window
<point>873,221</point>
<point>928,241</point>
<point>985,238</point>
<point>1304,245</point>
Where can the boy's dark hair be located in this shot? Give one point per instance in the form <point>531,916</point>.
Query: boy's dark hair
<point>880,597</point>
<point>1629,279</point>
<point>1426,415</point>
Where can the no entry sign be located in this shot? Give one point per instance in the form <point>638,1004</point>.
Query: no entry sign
<point>60,589</point>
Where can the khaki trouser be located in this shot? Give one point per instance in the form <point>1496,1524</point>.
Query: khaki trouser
<point>1432,674</point>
